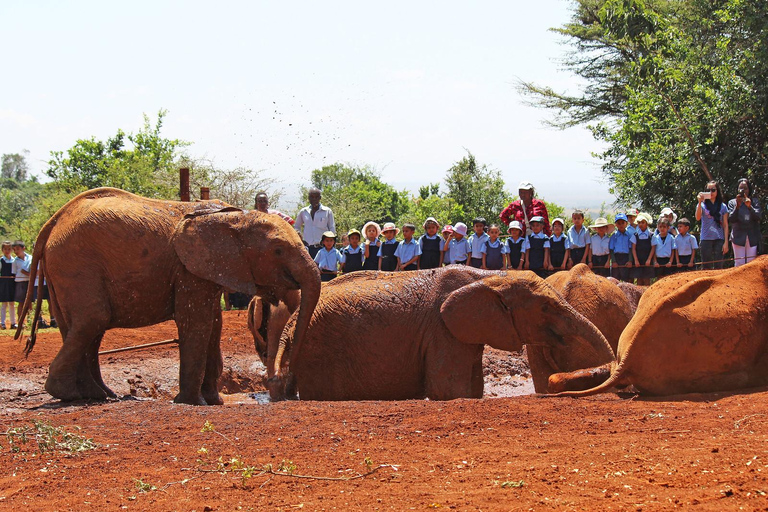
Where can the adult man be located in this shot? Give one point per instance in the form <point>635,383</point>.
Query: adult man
<point>526,208</point>
<point>262,205</point>
<point>315,220</point>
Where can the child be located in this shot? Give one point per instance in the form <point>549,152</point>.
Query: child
<point>352,255</point>
<point>387,259</point>
<point>671,216</point>
<point>578,239</point>
<point>600,249</point>
<point>632,219</point>
<point>445,254</point>
<point>409,250</point>
<point>493,250</point>
<point>372,244</point>
<point>620,245</point>
<point>559,247</point>
<point>20,269</point>
<point>431,245</point>
<point>457,245</point>
<point>476,241</point>
<point>515,246</point>
<point>328,257</point>
<point>664,248</point>
<point>685,244</point>
<point>537,248</point>
<point>344,240</point>
<point>7,285</point>
<point>642,250</point>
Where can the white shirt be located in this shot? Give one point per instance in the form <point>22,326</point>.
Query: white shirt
<point>476,244</point>
<point>19,264</point>
<point>314,228</point>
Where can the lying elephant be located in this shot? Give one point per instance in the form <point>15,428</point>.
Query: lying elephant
<point>631,291</point>
<point>113,259</point>
<point>696,332</point>
<point>394,336</point>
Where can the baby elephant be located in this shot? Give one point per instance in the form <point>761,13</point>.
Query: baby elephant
<point>404,335</point>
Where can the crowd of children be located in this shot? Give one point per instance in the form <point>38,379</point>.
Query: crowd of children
<point>14,280</point>
<point>627,249</point>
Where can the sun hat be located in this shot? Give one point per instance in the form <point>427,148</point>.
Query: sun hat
<point>390,226</point>
<point>561,221</point>
<point>447,228</point>
<point>460,228</point>
<point>515,225</point>
<point>525,185</point>
<point>621,216</point>
<point>668,211</point>
<point>353,231</point>
<point>328,234</point>
<point>375,225</point>
<point>537,218</point>
<point>632,212</point>
<point>601,222</point>
<point>430,219</point>
<point>644,216</point>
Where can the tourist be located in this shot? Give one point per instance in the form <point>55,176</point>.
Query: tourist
<point>262,205</point>
<point>744,215</point>
<point>314,220</point>
<point>713,214</point>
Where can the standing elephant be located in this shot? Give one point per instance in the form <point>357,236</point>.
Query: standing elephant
<point>113,259</point>
<point>696,332</point>
<point>393,336</point>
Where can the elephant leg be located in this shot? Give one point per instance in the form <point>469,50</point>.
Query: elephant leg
<point>540,367</point>
<point>69,377</point>
<point>91,360</point>
<point>214,363</point>
<point>452,372</point>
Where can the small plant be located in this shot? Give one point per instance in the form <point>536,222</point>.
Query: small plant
<point>286,466</point>
<point>208,427</point>
<point>512,484</point>
<point>48,438</point>
<point>143,486</point>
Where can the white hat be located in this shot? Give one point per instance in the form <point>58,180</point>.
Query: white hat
<point>601,222</point>
<point>390,226</point>
<point>537,218</point>
<point>375,225</point>
<point>525,185</point>
<point>460,228</point>
<point>644,216</point>
<point>561,221</point>
<point>668,211</point>
<point>432,219</point>
<point>515,225</point>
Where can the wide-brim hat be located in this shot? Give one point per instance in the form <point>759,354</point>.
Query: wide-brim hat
<point>538,218</point>
<point>601,222</point>
<point>561,221</point>
<point>525,185</point>
<point>644,216</point>
<point>668,211</point>
<point>328,234</point>
<point>620,216</point>
<point>515,225</point>
<point>353,231</point>
<point>390,226</point>
<point>460,228</point>
<point>430,219</point>
<point>375,225</point>
<point>447,228</point>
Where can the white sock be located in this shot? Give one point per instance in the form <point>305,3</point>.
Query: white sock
<point>2,312</point>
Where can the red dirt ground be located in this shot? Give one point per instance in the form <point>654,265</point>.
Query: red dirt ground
<point>706,452</point>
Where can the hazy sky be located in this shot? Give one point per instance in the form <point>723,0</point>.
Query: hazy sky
<point>290,86</point>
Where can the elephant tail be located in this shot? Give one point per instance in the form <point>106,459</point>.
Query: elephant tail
<point>617,379</point>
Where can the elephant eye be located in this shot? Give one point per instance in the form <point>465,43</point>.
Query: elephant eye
<point>279,251</point>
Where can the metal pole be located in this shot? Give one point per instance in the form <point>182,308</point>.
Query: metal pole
<point>184,184</point>
<point>205,193</point>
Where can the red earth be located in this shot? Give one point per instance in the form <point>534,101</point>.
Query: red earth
<point>508,451</point>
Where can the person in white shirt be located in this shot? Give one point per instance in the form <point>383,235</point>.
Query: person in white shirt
<point>314,220</point>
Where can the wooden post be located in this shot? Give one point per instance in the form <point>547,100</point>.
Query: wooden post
<point>205,193</point>
<point>184,184</point>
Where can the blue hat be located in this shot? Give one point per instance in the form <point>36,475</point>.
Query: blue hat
<point>621,216</point>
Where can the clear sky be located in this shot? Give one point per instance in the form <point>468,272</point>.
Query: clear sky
<point>286,87</point>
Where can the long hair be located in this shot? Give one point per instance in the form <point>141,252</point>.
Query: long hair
<point>749,186</point>
<point>714,208</point>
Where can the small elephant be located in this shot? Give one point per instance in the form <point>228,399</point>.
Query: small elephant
<point>632,292</point>
<point>697,332</point>
<point>114,259</point>
<point>395,336</point>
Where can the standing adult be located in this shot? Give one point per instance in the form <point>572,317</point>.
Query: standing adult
<point>526,208</point>
<point>262,205</point>
<point>713,214</point>
<point>744,215</point>
<point>314,220</point>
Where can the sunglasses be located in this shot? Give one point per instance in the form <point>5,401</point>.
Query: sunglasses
<point>711,190</point>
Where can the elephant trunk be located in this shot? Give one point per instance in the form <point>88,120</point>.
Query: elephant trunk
<point>586,346</point>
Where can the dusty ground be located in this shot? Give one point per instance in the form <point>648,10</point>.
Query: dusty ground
<point>708,452</point>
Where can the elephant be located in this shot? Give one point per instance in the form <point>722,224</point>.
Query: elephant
<point>697,332</point>
<point>420,334</point>
<point>114,259</point>
<point>595,297</point>
<point>631,291</point>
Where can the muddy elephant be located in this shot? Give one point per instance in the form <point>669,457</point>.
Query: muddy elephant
<point>114,259</point>
<point>696,332</point>
<point>393,336</point>
<point>632,292</point>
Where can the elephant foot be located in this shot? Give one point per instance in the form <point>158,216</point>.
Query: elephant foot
<point>276,388</point>
<point>290,388</point>
<point>89,389</point>
<point>190,399</point>
<point>63,389</point>
<point>213,398</point>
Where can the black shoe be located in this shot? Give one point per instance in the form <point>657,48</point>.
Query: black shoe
<point>14,326</point>
<point>41,324</point>
<point>53,323</point>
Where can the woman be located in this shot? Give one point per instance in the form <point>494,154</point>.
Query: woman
<point>744,215</point>
<point>526,208</point>
<point>714,226</point>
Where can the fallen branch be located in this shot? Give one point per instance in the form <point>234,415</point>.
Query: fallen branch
<point>267,470</point>
<point>737,423</point>
<point>138,347</point>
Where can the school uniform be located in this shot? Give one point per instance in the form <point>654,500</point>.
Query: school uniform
<point>431,247</point>
<point>7,284</point>
<point>460,251</point>
<point>665,246</point>
<point>515,251</point>
<point>535,245</point>
<point>578,242</point>
<point>353,258</point>
<point>620,246</point>
<point>685,245</point>
<point>476,247</point>
<point>494,254</point>
<point>557,247</point>
<point>406,251</point>
<point>642,240</point>
<point>387,255</point>
<point>21,279</point>
<point>372,261</point>
<point>328,262</point>
<point>601,253</point>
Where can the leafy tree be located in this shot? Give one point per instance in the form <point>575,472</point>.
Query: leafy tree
<point>476,189</point>
<point>431,203</point>
<point>15,166</point>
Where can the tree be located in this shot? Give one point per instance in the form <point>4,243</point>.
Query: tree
<point>476,189</point>
<point>15,166</point>
<point>431,203</point>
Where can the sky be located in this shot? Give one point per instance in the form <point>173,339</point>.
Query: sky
<point>286,87</point>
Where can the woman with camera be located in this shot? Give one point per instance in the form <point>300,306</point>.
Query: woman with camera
<point>713,214</point>
<point>744,214</point>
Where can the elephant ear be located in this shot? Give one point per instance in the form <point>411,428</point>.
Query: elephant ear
<point>476,313</point>
<point>206,241</point>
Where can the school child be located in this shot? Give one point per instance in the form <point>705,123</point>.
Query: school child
<point>344,240</point>
<point>7,285</point>
<point>671,216</point>
<point>409,250</point>
<point>372,232</point>
<point>352,255</point>
<point>664,248</point>
<point>515,246</point>
<point>458,246</point>
<point>685,245</point>
<point>599,248</point>
<point>620,244</point>
<point>578,239</point>
<point>559,247</point>
<point>431,245</point>
<point>642,250</point>
<point>328,257</point>
<point>632,219</point>
<point>445,254</point>
<point>537,248</point>
<point>476,241</point>
<point>387,259</point>
<point>493,250</point>
<point>20,269</point>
